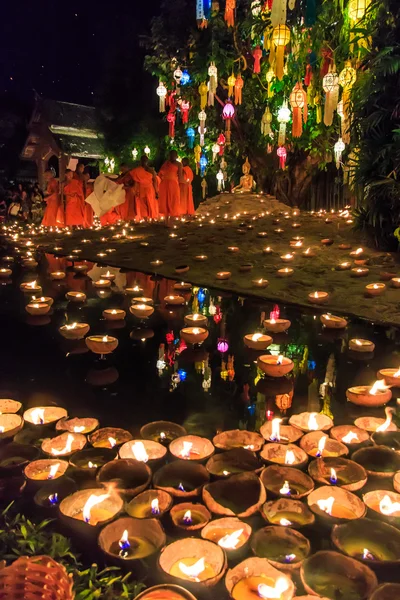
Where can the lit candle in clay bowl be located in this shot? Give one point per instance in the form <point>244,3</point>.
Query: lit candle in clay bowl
<point>108,275</point>
<point>131,541</point>
<point>350,435</point>
<point>10,424</point>
<point>357,254</point>
<point>275,366</point>
<point>174,300</point>
<point>149,504</point>
<point>37,308</point>
<point>308,253</point>
<point>318,297</point>
<point>257,341</point>
<point>326,572</point>
<point>200,258</point>
<point>343,266</point>
<point>101,344</point>
<point>163,432</point>
<point>276,325</point>
<point>296,243</point>
<point>284,454</point>
<point>230,533</point>
<point>63,445</point>
<point>146,451</point>
<point>372,424</point>
<point>318,443</point>
<point>257,579</point>
<point>222,275</point>
<point>233,249</point>
<point>75,297</point>
<point>395,282</point>
<point>380,462</point>
<point>284,547</point>
<point>338,471</point>
<point>195,563</point>
<point>29,263</point>
<point>75,331</point>
<point>267,250</point>
<point>87,462</point>
<point>134,291</point>
<point>192,448</point>
<point>196,320</point>
<point>102,283</point>
<point>231,462</point>
<point>287,512</point>
<point>333,322</point>
<point>360,345</point>
<point>274,431</point>
<point>31,287</point>
<point>109,437</point>
<point>44,415</point>
<point>76,425</point>
<point>311,421</point>
<point>375,289</point>
<point>81,268</point>
<point>85,511</point>
<point>166,592</point>
<point>141,311</point>
<point>286,482</point>
<point>286,272</point>
<point>287,257</point>
<point>194,335</point>
<point>260,283</point>
<point>335,505</point>
<point>238,438</point>
<point>142,300</point>
<point>182,286</point>
<point>189,517</point>
<point>57,275</point>
<point>390,376</point>
<point>377,394</point>
<point>114,314</point>
<point>38,471</point>
<point>5,273</point>
<point>359,272</point>
<point>384,505</point>
<point>156,263</point>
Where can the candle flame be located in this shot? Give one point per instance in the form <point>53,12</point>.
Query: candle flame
<point>92,501</point>
<point>105,338</point>
<point>195,317</point>
<point>112,441</point>
<point>67,448</point>
<point>268,593</point>
<point>155,509</point>
<point>187,517</point>
<point>180,487</point>
<point>367,555</point>
<point>290,557</point>
<point>92,465</point>
<point>285,489</point>
<point>308,251</point>
<point>288,256</point>
<point>37,416</point>
<point>32,285</point>
<point>53,471</point>
<point>333,475</point>
<point>358,343</point>
<point>379,386</point>
<point>187,447</point>
<point>358,251</point>
<point>2,429</point>
<point>321,445</point>
<point>79,428</point>
<point>226,473</point>
<point>73,326</point>
<point>279,360</point>
<point>326,505</point>
<point>230,541</point>
<point>196,330</point>
<point>387,422</point>
<point>312,422</point>
<point>350,437</point>
<point>290,458</point>
<point>285,522</point>
<point>397,374</point>
<point>256,336</point>
<point>124,543</point>
<point>194,571</point>
<point>276,430</point>
<point>387,507</point>
<point>162,435</point>
<point>53,498</point>
<point>139,452</point>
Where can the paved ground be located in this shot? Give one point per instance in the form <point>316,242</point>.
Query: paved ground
<point>218,225</point>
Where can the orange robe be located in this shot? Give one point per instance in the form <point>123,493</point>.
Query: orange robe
<point>169,192</point>
<point>88,222</point>
<point>74,203</point>
<point>128,210</point>
<point>53,214</point>
<point>187,206</point>
<point>145,193</point>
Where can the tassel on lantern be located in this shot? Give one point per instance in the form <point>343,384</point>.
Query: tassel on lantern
<point>203,91</point>
<point>347,78</point>
<point>280,38</point>
<point>266,122</point>
<point>318,108</point>
<point>298,102</point>
<point>202,132</point>
<point>171,120</point>
<point>238,89</point>
<point>203,189</point>
<point>327,59</point>
<point>190,132</point>
<point>281,152</point>
<point>185,107</point>
<point>221,142</point>
<point>330,84</point>
<point>197,155</point>
<point>283,119</point>
<point>161,93</point>
<point>231,84</point>
<point>257,55</point>
<point>269,77</point>
<point>203,165</point>
<point>338,150</point>
<point>212,84</point>
<point>230,6</point>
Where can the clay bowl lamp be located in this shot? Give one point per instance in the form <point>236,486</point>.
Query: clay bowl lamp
<point>142,300</point>
<point>141,311</point>
<point>200,258</point>
<point>308,253</point>
<point>318,444</point>
<point>223,275</point>
<point>109,437</point>
<point>286,272</point>
<point>81,269</point>
<point>287,257</point>
<point>149,504</point>
<point>333,322</point>
<point>181,479</point>
<point>367,540</point>
<point>194,335</point>
<point>39,471</point>
<point>174,300</point>
<point>287,513</point>
<point>372,424</point>
<point>114,314</point>
<point>108,275</point>
<point>130,476</point>
<point>145,451</point>
<point>14,457</point>
<point>390,376</point>
<point>311,421</point>
<point>274,366</point>
<point>343,266</point>
<point>86,511</point>
<point>37,308</point>
<point>129,541</point>
<point>257,578</point>
<point>166,592</point>
<point>276,325</point>
<point>284,454</point>
<point>379,461</point>
<point>141,334</point>
<point>196,320</point>
<point>390,439</point>
<point>359,272</point>
<point>326,572</point>
<point>8,405</point>
<point>334,505</point>
<point>318,297</point>
<point>10,424</point>
<point>327,242</point>
<point>182,286</point>
<point>286,482</point>
<point>274,431</point>
<point>267,250</point>
<point>192,448</point>
<point>257,341</point>
<point>57,275</point>
<point>395,282</point>
<point>29,263</point>
<point>102,377</point>
<point>50,494</point>
<point>75,331</point>
<point>102,283</point>
<point>134,291</point>
<point>44,415</point>
<point>63,445</point>
<point>162,432</point>
<point>156,263</point>
<point>238,438</point>
<point>5,273</point>
<point>260,283</point>
<point>101,344</point>
<point>285,548</point>
<point>85,463</point>
<point>374,289</point>
<point>383,505</point>
<point>386,591</point>
<point>230,533</point>
<point>341,472</point>
<point>240,495</point>
<point>232,462</point>
<point>196,564</point>
<point>233,249</point>
<point>78,297</point>
<point>189,517</point>
<point>84,425</point>
<point>362,346</point>
<point>378,394</point>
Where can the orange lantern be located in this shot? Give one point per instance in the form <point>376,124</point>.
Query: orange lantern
<point>280,38</point>
<point>298,102</point>
<point>230,7</point>
<point>238,89</point>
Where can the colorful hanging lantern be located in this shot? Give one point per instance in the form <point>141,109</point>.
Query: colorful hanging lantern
<point>298,102</point>
<point>266,122</point>
<point>147,151</point>
<point>231,84</point>
<point>178,76</point>
<point>270,76</point>
<point>327,60</point>
<point>161,93</point>
<point>203,165</point>
<point>283,119</point>
<point>203,91</point>
<point>221,140</point>
<point>135,153</point>
<point>238,89</point>
<point>278,12</point>
<point>357,9</point>
<point>185,79</point>
<point>256,7</point>
<point>215,151</point>
<point>202,119</point>
<point>190,132</point>
<point>347,79</point>
<point>281,152</point>
<point>318,108</point>
<point>338,150</point>
<point>197,155</point>
<point>202,131</point>
<point>171,120</point>
<point>257,55</point>
<point>330,85</point>
<point>230,6</point>
<point>203,9</point>
<point>227,114</point>
<point>185,107</point>
<point>203,188</point>
<point>220,181</point>
<point>212,84</point>
<point>280,38</point>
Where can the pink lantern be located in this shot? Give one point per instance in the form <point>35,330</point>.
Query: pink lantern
<point>171,121</point>
<point>228,113</point>
<point>222,345</point>
<point>281,152</point>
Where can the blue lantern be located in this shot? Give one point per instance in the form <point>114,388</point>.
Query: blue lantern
<point>203,165</point>
<point>201,295</point>
<point>190,132</point>
<point>185,79</point>
<point>182,374</point>
<point>207,8</point>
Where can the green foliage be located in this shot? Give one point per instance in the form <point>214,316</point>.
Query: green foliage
<point>107,584</point>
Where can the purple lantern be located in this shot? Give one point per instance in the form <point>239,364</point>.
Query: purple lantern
<point>222,345</point>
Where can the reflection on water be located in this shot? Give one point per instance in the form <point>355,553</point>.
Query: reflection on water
<point>153,374</point>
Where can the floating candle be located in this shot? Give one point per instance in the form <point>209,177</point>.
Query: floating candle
<point>360,345</point>
<point>318,297</point>
<point>286,272</point>
<point>375,289</point>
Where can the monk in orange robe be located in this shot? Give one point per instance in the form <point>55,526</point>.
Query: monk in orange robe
<point>74,200</point>
<point>128,210</point>
<point>87,190</point>
<point>53,214</point>
<point>146,188</point>
<point>187,206</point>
<point>169,192</point>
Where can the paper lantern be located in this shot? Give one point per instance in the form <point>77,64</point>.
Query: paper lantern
<point>221,140</point>
<point>185,79</point>
<point>161,93</point>
<point>203,165</point>
<point>347,78</point>
<point>135,153</point>
<point>330,85</point>
<point>213,83</point>
<point>266,122</point>
<point>281,152</point>
<point>227,114</point>
<point>222,345</point>
<point>202,119</point>
<point>185,107</point>
<point>257,55</point>
<point>215,151</point>
<point>238,89</point>
<point>357,9</point>
<point>283,119</point>
<point>147,151</point>
<point>203,91</point>
<point>298,102</point>
<point>256,8</point>
<point>280,38</point>
<point>338,150</point>
<point>197,155</point>
<point>270,76</point>
<point>190,132</point>
<point>171,120</point>
<point>178,75</point>
<point>231,84</point>
<point>230,6</point>
<point>202,131</point>
<point>220,181</point>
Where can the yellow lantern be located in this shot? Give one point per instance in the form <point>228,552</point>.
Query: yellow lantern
<point>266,122</point>
<point>357,9</point>
<point>269,77</point>
<point>330,84</point>
<point>231,84</point>
<point>280,38</point>
<point>347,78</point>
<point>203,91</point>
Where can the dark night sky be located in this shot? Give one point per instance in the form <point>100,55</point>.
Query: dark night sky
<point>60,48</point>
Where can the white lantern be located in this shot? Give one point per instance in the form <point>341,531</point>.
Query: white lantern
<point>215,150</point>
<point>161,93</point>
<point>220,181</point>
<point>135,153</point>
<point>147,151</point>
<point>338,150</point>
<point>178,75</point>
<point>202,119</point>
<point>283,118</point>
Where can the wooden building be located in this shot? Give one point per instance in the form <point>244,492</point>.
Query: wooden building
<point>59,132</point>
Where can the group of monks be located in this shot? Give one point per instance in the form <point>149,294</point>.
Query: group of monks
<point>147,195</point>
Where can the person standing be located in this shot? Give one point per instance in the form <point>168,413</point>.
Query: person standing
<point>128,210</point>
<point>169,192</point>
<point>74,201</point>
<point>53,216</point>
<point>146,189</point>
<point>87,189</point>
<point>187,206</point>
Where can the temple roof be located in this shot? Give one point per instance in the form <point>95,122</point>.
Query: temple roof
<point>66,115</point>
<point>80,146</point>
